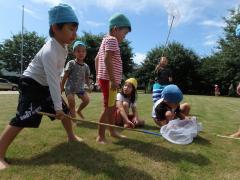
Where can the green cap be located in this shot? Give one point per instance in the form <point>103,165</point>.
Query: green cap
<point>119,20</point>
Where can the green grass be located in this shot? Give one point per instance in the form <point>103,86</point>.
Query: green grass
<point>44,153</point>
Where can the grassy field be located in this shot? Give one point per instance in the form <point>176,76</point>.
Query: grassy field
<point>44,153</point>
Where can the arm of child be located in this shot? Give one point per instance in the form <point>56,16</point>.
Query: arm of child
<point>238,89</point>
<point>123,114</point>
<point>64,79</point>
<point>87,81</point>
<point>108,63</point>
<point>135,113</point>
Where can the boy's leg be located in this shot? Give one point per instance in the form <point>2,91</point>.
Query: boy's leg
<point>6,139</point>
<point>85,101</point>
<point>101,129</point>
<point>67,124</point>
<point>71,103</point>
<point>236,134</point>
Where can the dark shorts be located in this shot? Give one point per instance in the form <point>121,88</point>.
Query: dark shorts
<point>33,98</point>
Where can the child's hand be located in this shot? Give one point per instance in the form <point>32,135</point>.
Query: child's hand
<point>60,115</point>
<point>129,124</point>
<point>114,85</point>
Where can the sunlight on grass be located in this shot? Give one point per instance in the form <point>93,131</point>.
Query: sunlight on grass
<point>44,153</point>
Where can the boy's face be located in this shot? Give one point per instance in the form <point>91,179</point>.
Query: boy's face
<point>80,52</point>
<point>66,35</point>
<point>121,33</point>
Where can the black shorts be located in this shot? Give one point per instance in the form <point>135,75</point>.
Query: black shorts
<point>33,98</point>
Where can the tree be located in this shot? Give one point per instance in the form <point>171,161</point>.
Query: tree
<point>228,54</point>
<point>10,51</point>
<point>183,63</point>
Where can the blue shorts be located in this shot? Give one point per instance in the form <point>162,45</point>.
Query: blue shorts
<point>79,94</point>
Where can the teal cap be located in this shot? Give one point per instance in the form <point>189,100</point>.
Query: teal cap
<point>119,20</point>
<point>62,13</point>
<point>78,43</point>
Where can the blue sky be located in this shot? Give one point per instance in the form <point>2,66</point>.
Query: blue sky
<point>198,24</point>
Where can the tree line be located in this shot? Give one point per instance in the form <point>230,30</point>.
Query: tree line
<point>192,73</point>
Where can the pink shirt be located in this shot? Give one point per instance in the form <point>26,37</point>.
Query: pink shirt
<point>110,43</point>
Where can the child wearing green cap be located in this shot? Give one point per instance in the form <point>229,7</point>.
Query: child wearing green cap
<point>76,74</point>
<point>126,101</point>
<point>168,106</point>
<point>39,87</point>
<point>108,66</point>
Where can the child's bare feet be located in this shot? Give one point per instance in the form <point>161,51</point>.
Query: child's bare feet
<point>80,114</point>
<point>101,140</point>
<point>3,164</point>
<point>75,139</point>
<point>236,135</point>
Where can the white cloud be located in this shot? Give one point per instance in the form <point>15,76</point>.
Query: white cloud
<point>188,10</point>
<point>31,12</point>
<point>95,24</point>
<point>213,23</point>
<point>51,2</point>
<point>139,57</point>
<point>209,43</point>
<point>210,40</point>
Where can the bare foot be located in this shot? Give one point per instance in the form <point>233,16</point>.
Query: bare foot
<point>101,140</point>
<point>117,135</point>
<point>80,114</point>
<point>3,164</point>
<point>75,139</point>
<point>235,135</point>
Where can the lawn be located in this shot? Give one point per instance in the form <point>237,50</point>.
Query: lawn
<point>44,153</point>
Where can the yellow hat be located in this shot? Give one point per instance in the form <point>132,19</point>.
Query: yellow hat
<point>133,81</point>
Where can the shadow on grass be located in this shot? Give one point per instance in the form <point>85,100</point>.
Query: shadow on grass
<point>159,153</point>
<point>85,158</point>
<point>202,141</point>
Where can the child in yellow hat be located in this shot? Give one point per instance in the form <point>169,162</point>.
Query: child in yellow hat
<point>125,101</point>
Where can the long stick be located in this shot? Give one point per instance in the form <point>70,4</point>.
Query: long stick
<point>229,137</point>
<point>103,124</point>
<point>169,31</point>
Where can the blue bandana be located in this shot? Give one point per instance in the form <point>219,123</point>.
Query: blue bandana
<point>172,94</point>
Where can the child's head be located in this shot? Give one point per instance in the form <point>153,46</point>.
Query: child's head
<point>172,95</point>
<point>63,23</point>
<point>119,26</point>
<point>163,61</point>
<point>130,89</point>
<point>79,50</point>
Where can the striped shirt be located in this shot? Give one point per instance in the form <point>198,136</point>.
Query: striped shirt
<point>110,43</point>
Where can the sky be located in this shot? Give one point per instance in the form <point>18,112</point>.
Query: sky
<point>197,24</point>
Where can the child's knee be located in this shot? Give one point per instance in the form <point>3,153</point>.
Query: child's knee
<point>125,105</point>
<point>185,108</point>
